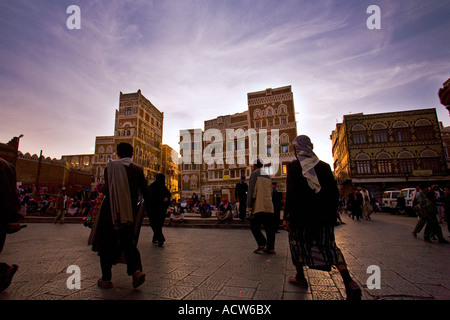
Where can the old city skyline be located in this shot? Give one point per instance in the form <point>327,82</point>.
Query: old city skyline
<point>196,61</point>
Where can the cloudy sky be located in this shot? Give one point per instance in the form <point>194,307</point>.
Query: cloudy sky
<point>196,60</point>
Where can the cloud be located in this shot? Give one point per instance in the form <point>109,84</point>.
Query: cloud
<point>196,60</point>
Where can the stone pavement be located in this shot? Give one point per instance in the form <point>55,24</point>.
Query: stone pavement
<point>219,264</point>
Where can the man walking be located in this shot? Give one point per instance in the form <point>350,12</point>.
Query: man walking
<point>312,199</point>
<point>277,204</point>
<point>160,198</point>
<point>120,217</point>
<point>60,205</point>
<point>241,194</point>
<point>260,204</point>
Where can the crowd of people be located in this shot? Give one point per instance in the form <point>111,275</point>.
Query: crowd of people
<point>311,212</point>
<point>432,206</point>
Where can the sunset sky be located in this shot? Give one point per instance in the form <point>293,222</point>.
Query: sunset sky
<point>196,60</point>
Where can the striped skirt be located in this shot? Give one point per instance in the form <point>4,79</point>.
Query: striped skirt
<point>315,247</point>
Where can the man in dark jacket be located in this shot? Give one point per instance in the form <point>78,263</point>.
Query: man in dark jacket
<point>121,217</point>
<point>160,198</point>
<point>241,194</point>
<point>312,199</point>
<point>277,197</point>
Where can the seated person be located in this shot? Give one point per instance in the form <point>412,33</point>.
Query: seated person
<point>225,212</point>
<point>71,207</point>
<point>205,209</point>
<point>177,215</point>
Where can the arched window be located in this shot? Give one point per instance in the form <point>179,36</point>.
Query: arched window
<point>384,162</point>
<point>362,162</point>
<point>424,130</point>
<point>401,131</point>
<point>379,131</point>
<point>86,161</point>
<point>284,138</point>
<point>75,161</point>
<point>430,160</point>
<point>359,134</point>
<point>406,162</point>
<point>282,109</point>
<point>256,113</point>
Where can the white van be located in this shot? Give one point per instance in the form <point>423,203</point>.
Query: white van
<point>408,193</point>
<point>389,200</point>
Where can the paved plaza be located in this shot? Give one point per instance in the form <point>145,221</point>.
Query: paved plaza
<point>219,264</point>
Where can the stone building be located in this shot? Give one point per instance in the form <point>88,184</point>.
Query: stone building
<point>445,135</point>
<point>139,123</point>
<point>45,174</point>
<point>388,150</point>
<point>232,143</point>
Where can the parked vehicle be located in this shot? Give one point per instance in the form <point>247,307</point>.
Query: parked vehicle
<point>398,201</point>
<point>407,194</point>
<point>389,200</point>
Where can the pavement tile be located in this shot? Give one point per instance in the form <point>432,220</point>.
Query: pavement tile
<point>176,292</point>
<point>198,294</point>
<point>326,295</point>
<point>267,295</point>
<point>202,264</point>
<point>242,282</point>
<point>237,292</point>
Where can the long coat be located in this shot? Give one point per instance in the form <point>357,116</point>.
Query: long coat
<point>260,192</point>
<point>157,207</point>
<point>305,207</point>
<point>103,237</point>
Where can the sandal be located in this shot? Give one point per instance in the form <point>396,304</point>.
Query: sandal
<point>138,278</point>
<point>104,284</point>
<point>258,250</point>
<point>302,282</point>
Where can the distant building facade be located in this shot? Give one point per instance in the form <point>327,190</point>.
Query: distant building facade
<point>169,161</point>
<point>43,174</point>
<point>271,115</point>
<point>389,150</point>
<point>139,123</point>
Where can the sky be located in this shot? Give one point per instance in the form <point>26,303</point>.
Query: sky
<point>197,59</point>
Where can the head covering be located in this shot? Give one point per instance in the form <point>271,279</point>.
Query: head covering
<point>161,178</point>
<point>308,159</point>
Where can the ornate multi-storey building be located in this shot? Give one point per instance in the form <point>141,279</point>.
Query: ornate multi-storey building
<point>139,123</point>
<point>264,131</point>
<point>395,149</point>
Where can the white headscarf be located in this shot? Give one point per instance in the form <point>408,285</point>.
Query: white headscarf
<point>308,160</point>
